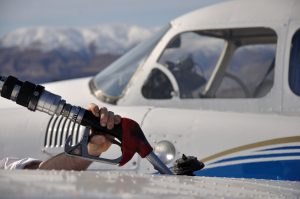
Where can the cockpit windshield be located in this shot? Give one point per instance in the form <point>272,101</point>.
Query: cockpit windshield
<point>109,84</point>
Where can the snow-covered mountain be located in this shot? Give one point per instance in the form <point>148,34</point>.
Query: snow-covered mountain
<point>114,39</point>
<point>44,54</point>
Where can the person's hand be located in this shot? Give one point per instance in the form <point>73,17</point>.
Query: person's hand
<point>100,143</point>
<point>97,145</point>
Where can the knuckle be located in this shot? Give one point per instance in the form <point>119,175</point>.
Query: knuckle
<point>103,109</point>
<point>91,106</point>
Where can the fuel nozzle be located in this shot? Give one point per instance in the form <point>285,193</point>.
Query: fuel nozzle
<point>129,134</point>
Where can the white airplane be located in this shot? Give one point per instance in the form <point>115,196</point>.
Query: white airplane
<point>221,83</point>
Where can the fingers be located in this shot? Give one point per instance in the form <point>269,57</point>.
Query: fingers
<point>110,120</point>
<point>98,144</point>
<point>100,140</point>
<point>94,109</point>
<point>107,118</point>
<point>103,116</point>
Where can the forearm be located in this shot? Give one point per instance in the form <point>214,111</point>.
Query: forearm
<point>65,162</point>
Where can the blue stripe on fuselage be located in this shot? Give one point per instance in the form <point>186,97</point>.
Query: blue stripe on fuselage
<point>274,170</point>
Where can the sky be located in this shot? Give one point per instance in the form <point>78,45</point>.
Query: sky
<point>89,13</point>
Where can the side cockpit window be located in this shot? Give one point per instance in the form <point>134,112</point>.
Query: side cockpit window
<point>294,70</point>
<point>227,63</point>
<point>250,72</point>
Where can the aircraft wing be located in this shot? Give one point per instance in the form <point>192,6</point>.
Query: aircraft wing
<point>110,184</point>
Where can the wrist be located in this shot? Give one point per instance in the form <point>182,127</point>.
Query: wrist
<point>65,162</point>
